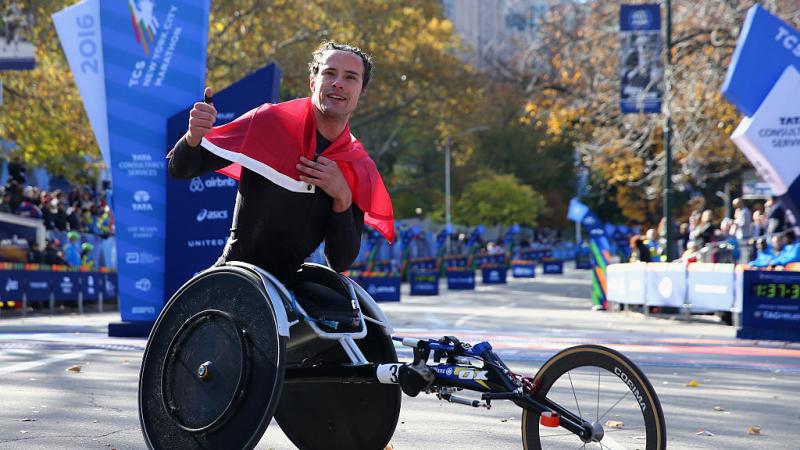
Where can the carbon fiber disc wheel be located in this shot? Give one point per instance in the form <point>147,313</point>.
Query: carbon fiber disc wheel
<point>213,368</point>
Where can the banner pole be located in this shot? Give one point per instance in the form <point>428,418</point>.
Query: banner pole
<point>668,136</point>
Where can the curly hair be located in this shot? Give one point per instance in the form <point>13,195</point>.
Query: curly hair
<point>316,59</point>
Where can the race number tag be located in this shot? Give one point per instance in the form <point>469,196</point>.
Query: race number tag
<point>387,373</point>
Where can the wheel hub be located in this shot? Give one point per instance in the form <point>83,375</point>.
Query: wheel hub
<point>594,432</point>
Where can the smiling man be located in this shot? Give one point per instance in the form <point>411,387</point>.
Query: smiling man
<point>303,178</point>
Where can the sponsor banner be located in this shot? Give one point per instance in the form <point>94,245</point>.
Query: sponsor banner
<point>641,69</point>
<point>17,51</point>
<point>66,286</point>
<point>553,267</point>
<point>12,284</point>
<point>91,285</point>
<point>460,280</point>
<point>110,282</point>
<point>154,60</point>
<point>201,209</point>
<point>493,276</point>
<point>626,283</point>
<point>423,282</point>
<point>382,289</point>
<point>523,270</point>
<point>766,46</point>
<point>78,28</point>
<point>770,139</point>
<point>665,284</point>
<point>39,285</point>
<point>771,305</point>
<point>710,287</point>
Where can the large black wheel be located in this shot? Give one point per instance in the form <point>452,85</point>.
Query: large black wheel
<point>316,416</point>
<point>607,392</point>
<point>214,364</point>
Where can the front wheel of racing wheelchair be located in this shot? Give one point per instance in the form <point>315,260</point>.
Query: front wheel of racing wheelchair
<point>213,373</point>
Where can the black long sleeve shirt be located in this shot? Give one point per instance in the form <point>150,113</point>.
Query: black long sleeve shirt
<point>272,227</point>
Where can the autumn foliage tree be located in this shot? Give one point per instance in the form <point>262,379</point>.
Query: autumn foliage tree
<point>572,82</point>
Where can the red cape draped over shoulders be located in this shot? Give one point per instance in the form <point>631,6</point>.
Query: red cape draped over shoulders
<point>270,139</point>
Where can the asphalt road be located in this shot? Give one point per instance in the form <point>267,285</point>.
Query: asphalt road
<point>737,384</point>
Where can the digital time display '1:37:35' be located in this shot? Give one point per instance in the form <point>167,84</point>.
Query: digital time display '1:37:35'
<point>777,290</point>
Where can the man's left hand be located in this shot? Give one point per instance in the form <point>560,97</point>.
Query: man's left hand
<point>326,175</point>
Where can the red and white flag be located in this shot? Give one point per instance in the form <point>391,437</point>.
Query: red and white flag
<point>270,140</point>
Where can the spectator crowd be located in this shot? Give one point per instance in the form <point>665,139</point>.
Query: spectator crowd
<point>761,238</point>
<point>74,215</point>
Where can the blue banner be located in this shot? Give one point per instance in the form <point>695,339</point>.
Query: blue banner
<point>66,286</point>
<point>423,283</point>
<point>766,46</point>
<point>641,64</point>
<point>553,267</point>
<point>460,279</point>
<point>39,285</point>
<point>494,275</point>
<point>201,210</point>
<point>91,285</point>
<point>382,289</point>
<point>154,58</point>
<point>577,210</point>
<point>12,284</point>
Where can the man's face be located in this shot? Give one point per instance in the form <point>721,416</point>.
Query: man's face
<point>337,85</point>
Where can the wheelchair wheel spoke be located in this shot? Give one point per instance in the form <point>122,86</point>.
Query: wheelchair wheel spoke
<point>574,395</point>
<point>613,406</point>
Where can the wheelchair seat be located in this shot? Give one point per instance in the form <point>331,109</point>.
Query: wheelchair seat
<point>326,299</point>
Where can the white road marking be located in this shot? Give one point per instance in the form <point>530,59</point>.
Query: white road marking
<point>19,367</point>
<point>464,319</point>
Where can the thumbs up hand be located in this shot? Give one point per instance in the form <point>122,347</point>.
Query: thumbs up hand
<point>201,119</point>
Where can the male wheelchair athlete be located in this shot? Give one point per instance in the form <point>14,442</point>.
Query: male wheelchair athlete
<point>234,347</point>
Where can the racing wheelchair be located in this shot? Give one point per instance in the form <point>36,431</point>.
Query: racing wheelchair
<point>234,348</point>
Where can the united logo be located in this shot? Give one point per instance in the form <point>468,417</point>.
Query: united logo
<point>145,24</point>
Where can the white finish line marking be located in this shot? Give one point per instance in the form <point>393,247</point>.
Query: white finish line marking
<point>19,367</point>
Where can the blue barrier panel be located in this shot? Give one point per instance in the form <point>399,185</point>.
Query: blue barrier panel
<point>771,305</point>
<point>12,283</point>
<point>110,284</point>
<point>458,280</point>
<point>382,289</point>
<point>710,287</point>
<point>424,282</point>
<point>492,275</point>
<point>553,267</point>
<point>523,270</point>
<point>583,260</point>
<point>626,283</point>
<point>66,286</point>
<point>665,284</point>
<point>38,286</point>
<point>91,284</point>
